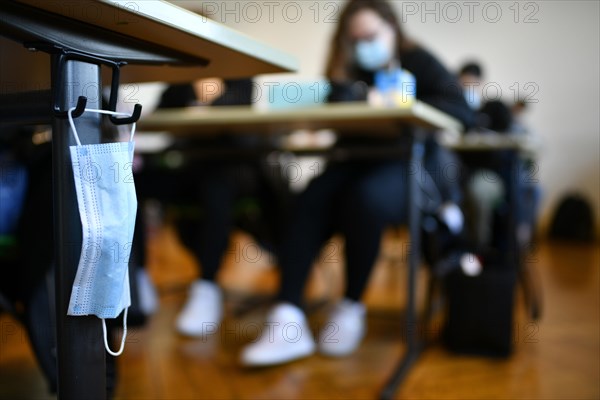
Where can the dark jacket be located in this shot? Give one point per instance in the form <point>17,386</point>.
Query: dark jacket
<point>435,86</point>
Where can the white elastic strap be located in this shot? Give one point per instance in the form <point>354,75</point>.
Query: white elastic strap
<point>72,123</point>
<point>118,353</point>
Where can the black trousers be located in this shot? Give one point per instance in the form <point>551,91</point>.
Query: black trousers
<point>359,199</point>
<point>208,193</point>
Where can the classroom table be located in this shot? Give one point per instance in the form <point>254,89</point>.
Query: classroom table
<point>345,118</point>
<point>493,141</point>
<point>354,116</point>
<point>52,53</point>
<point>518,144</point>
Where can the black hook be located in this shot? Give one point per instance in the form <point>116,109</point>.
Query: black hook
<point>112,101</point>
<point>79,109</point>
<point>137,112</point>
<point>57,78</point>
<point>66,54</point>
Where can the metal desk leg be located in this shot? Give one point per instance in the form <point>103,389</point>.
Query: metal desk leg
<point>517,253</point>
<point>413,345</point>
<point>81,362</point>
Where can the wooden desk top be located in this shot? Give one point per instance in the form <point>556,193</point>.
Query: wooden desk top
<point>344,116</point>
<point>160,41</point>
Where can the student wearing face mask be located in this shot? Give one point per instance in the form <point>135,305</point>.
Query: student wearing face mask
<point>357,198</point>
<point>214,187</point>
<point>470,76</point>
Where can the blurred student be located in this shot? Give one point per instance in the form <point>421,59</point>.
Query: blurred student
<point>531,190</point>
<point>209,186</point>
<point>470,77</point>
<point>356,198</point>
<point>487,187</point>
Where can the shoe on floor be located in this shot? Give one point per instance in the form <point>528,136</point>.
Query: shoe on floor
<point>286,337</point>
<point>146,292</point>
<point>344,330</point>
<point>203,311</point>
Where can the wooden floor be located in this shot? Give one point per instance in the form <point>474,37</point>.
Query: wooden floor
<point>555,358</point>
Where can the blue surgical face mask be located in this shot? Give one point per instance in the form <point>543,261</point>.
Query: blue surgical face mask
<point>372,55</point>
<point>473,98</point>
<point>107,206</point>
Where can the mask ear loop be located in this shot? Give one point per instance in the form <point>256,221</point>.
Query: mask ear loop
<point>72,123</point>
<point>117,353</point>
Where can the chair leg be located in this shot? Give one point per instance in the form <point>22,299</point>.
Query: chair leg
<point>531,290</point>
<point>6,305</point>
<point>400,372</point>
<point>431,307</point>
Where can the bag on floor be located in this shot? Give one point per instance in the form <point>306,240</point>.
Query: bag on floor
<point>573,220</point>
<point>480,310</point>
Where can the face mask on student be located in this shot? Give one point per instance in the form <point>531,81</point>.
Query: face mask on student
<point>473,98</point>
<point>107,205</point>
<point>372,55</point>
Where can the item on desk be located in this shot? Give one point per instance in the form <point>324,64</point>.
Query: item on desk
<point>393,88</point>
<point>278,94</point>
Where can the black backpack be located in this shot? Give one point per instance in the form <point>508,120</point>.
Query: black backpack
<point>573,219</point>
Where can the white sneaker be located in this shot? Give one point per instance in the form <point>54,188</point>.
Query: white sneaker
<point>345,329</point>
<point>470,264</point>
<point>203,311</point>
<point>146,292</point>
<point>452,216</point>
<point>285,337</point>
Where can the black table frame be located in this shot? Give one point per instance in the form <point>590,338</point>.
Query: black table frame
<point>81,362</point>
